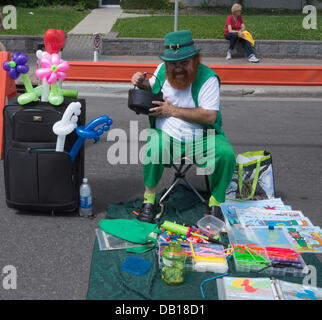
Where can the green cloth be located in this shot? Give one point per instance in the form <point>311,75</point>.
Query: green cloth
<point>131,230</point>
<point>108,282</point>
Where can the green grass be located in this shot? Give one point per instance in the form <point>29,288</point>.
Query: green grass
<point>44,18</point>
<point>212,27</point>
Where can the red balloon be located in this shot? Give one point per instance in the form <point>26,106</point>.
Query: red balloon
<point>54,40</point>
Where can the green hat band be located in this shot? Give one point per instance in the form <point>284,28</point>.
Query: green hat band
<point>179,56</point>
<point>178,46</point>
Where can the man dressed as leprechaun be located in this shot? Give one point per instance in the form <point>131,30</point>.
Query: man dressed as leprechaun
<point>187,124</point>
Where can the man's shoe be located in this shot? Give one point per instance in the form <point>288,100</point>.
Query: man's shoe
<point>252,58</point>
<point>228,56</point>
<point>147,213</point>
<point>216,212</point>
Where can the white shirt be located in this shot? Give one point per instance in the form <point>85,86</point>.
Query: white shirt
<point>208,99</point>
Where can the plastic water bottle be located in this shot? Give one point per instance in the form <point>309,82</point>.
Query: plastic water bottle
<point>85,193</point>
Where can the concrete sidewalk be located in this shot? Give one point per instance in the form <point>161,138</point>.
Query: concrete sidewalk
<point>100,20</point>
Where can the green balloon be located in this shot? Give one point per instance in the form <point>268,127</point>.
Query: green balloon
<point>27,98</point>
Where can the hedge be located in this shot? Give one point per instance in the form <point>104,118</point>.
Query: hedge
<point>86,4</point>
<point>145,4</point>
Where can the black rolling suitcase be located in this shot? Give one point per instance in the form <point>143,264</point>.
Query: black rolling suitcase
<point>37,178</point>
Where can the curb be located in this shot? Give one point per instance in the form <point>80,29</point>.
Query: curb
<point>121,90</point>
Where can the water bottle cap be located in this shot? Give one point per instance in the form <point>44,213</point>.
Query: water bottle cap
<point>85,180</point>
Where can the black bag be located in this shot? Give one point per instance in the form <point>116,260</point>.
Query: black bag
<point>37,178</point>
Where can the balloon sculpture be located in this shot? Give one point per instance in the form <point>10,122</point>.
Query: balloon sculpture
<point>88,132</point>
<point>18,67</point>
<point>67,124</point>
<point>53,69</point>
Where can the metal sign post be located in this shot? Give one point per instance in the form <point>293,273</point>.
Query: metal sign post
<point>176,15</point>
<point>97,43</point>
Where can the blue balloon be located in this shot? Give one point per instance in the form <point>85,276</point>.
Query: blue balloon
<point>88,132</point>
<point>15,55</point>
<point>13,74</point>
<point>21,59</point>
<point>6,66</point>
<point>22,68</point>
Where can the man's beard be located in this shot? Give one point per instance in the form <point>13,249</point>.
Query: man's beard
<point>190,75</point>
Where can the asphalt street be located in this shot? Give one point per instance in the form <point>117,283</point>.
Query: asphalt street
<point>52,254</point>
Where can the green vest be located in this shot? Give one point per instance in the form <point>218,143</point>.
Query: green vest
<point>204,73</point>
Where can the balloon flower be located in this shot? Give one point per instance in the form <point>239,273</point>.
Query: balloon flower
<point>53,69</point>
<point>45,89</point>
<point>18,67</point>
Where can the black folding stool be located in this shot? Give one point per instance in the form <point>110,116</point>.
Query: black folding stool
<point>180,174</point>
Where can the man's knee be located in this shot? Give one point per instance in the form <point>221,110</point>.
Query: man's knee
<point>226,154</point>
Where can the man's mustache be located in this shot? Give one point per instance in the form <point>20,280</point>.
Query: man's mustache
<point>184,72</point>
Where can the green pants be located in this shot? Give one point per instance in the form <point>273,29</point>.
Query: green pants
<point>213,153</point>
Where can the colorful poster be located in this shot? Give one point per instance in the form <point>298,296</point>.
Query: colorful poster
<point>229,207</point>
<point>306,239</point>
<point>295,291</point>
<point>280,221</point>
<point>247,288</point>
<point>269,212</point>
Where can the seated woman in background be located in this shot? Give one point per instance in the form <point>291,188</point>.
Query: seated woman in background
<point>234,26</point>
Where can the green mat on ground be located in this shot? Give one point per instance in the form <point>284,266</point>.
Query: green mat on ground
<point>108,282</point>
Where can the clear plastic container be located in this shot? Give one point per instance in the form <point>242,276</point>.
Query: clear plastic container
<point>272,237</point>
<point>248,260</point>
<point>301,269</point>
<point>173,264</point>
<point>212,259</point>
<point>264,263</point>
<point>210,225</point>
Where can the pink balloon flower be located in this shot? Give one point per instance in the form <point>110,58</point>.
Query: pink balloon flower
<point>52,68</point>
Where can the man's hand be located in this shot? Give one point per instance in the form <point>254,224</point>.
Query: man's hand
<point>164,109</point>
<point>138,79</point>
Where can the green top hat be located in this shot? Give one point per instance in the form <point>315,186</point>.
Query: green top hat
<point>178,46</point>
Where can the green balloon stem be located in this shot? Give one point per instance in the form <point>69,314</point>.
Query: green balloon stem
<point>27,83</point>
<point>54,89</point>
<point>70,93</point>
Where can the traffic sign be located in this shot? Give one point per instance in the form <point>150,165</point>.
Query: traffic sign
<point>97,41</point>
